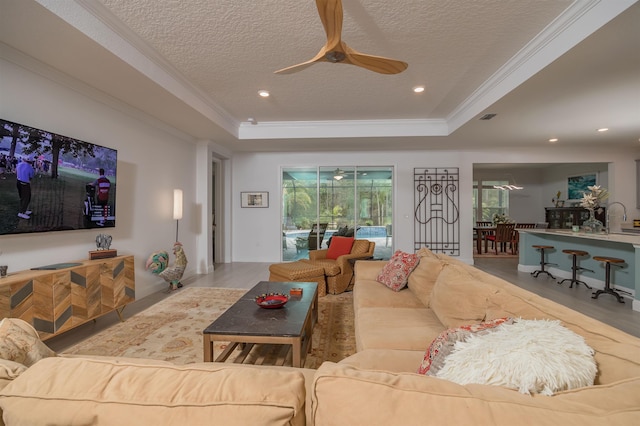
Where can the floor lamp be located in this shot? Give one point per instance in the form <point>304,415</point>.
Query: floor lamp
<point>177,208</point>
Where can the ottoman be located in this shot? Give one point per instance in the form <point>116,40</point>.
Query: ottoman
<point>300,272</point>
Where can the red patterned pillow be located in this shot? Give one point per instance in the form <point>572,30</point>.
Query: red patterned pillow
<point>395,273</point>
<point>339,247</point>
<point>443,344</point>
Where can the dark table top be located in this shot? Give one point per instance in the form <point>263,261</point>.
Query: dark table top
<point>245,317</point>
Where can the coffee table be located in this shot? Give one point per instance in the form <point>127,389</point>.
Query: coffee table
<point>247,323</point>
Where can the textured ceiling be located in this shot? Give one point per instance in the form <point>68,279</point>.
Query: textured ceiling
<point>197,66</point>
<point>230,49</point>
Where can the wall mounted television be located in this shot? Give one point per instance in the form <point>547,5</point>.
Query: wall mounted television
<point>66,188</point>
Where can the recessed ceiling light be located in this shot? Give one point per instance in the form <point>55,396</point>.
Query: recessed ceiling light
<point>603,129</point>
<point>263,93</point>
<point>553,140</point>
<point>418,89</point>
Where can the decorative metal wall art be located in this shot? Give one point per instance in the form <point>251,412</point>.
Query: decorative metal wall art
<point>436,211</point>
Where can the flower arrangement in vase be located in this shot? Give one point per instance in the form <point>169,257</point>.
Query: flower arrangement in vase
<point>591,201</point>
<point>501,218</point>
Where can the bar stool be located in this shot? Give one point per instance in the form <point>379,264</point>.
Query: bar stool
<point>607,276</point>
<point>542,262</point>
<point>575,268</point>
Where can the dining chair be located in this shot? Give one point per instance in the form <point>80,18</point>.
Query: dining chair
<point>504,234</point>
<point>482,235</point>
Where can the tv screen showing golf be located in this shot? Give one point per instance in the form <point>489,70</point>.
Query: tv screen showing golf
<point>50,182</point>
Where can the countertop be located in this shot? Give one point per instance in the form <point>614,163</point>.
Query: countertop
<point>620,237</point>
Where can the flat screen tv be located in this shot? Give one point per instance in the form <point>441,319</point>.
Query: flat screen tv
<point>50,182</point>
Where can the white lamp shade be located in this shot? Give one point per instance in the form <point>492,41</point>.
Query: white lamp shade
<point>177,204</point>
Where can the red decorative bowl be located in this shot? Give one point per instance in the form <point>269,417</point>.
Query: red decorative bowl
<point>272,300</point>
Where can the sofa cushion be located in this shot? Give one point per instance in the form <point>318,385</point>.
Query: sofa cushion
<point>394,360</point>
<point>372,294</point>
<point>444,344</point>
<point>339,247</point>
<point>20,342</point>
<point>423,278</point>
<point>532,357</point>
<point>396,328</point>
<point>396,272</point>
<point>458,298</point>
<point>112,392</point>
<point>346,395</point>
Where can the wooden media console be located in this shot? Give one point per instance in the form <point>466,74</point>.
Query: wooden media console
<point>57,300</point>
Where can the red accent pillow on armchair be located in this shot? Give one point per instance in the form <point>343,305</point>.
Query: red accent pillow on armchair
<point>339,246</point>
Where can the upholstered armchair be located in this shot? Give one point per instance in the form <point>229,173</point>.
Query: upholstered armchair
<point>339,271</point>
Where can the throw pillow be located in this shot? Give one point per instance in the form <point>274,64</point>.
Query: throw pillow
<point>339,247</point>
<point>396,272</point>
<point>10,370</point>
<point>532,356</point>
<point>19,342</point>
<point>443,345</point>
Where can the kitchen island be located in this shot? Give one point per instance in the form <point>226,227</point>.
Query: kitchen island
<point>625,246</point>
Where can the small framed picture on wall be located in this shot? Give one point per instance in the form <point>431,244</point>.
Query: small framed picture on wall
<point>254,200</point>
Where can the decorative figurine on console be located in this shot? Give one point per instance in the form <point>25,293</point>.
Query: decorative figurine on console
<point>158,263</point>
<point>103,246</point>
<point>103,241</point>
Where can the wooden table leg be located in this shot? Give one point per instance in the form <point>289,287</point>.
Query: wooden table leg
<point>208,348</point>
<point>296,347</point>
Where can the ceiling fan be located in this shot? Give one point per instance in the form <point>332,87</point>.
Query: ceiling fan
<point>335,50</point>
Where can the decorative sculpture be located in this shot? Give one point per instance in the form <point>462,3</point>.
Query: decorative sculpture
<point>103,241</point>
<point>158,263</point>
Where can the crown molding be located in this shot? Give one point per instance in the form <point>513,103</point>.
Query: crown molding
<point>95,21</point>
<point>342,129</point>
<point>581,19</point>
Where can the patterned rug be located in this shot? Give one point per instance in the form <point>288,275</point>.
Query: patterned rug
<point>171,330</point>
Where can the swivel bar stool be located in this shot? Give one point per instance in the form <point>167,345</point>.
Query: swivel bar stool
<point>542,262</point>
<point>575,268</point>
<point>607,276</point>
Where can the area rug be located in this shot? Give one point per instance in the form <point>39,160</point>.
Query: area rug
<point>171,330</point>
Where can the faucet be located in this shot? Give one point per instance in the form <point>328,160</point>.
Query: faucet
<point>624,214</point>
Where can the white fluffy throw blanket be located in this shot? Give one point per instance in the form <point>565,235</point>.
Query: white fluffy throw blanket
<point>532,356</point>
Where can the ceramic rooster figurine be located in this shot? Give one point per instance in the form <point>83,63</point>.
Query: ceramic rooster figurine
<point>158,264</point>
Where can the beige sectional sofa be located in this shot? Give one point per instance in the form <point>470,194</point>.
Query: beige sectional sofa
<point>376,386</point>
<point>394,329</point>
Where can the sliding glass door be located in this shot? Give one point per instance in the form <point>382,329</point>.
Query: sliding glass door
<point>322,201</point>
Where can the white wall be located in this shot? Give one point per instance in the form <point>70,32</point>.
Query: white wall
<point>151,162</point>
<point>154,159</point>
<point>257,233</point>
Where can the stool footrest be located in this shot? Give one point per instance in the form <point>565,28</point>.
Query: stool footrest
<point>576,282</point>
<point>608,291</point>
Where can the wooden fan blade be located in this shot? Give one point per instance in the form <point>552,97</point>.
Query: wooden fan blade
<point>331,15</point>
<point>374,63</point>
<point>299,67</point>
